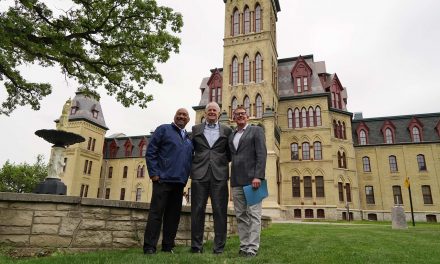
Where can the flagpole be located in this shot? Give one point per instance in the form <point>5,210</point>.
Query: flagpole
<point>408,185</point>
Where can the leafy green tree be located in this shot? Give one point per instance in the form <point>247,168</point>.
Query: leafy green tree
<point>22,178</point>
<point>111,43</point>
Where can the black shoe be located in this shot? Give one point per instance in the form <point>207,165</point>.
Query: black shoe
<point>250,254</point>
<point>217,252</point>
<point>149,251</point>
<point>242,253</point>
<point>196,250</point>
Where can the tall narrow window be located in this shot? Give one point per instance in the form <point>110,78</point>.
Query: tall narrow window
<point>317,149</point>
<point>143,150</point>
<point>143,171</point>
<point>388,136</point>
<point>86,165</point>
<point>89,144</point>
<point>319,182</point>
<point>89,170</point>
<point>393,163</point>
<point>246,70</point>
<point>297,124</point>
<point>235,71</point>
<point>307,186</point>
<point>362,137</point>
<point>107,193</point>
<point>233,105</point>
<point>335,129</point>
<point>296,186</point>
<point>344,131</point>
<point>318,116</point>
<point>427,197</point>
<point>219,95</point>
<point>110,172</point>
<point>306,85</point>
<point>259,106</point>
<point>125,172</point>
<point>311,117</point>
<point>369,194</point>
<point>81,192</point>
<point>289,118</point>
<point>65,165</point>
<point>122,197</point>
<point>93,144</point>
<point>341,191</point>
<point>298,84</point>
<point>235,23</point>
<point>366,164</point>
<point>397,194</point>
<point>258,68</point>
<point>138,194</point>
<point>303,117</point>
<point>416,134</point>
<point>257,18</point>
<point>348,192</point>
<point>294,155</point>
<point>247,20</point>
<point>247,105</point>
<point>305,151</point>
<point>421,162</point>
<point>213,94</point>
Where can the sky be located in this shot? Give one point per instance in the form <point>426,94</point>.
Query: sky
<point>386,54</point>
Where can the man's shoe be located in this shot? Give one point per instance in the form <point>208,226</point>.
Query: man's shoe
<point>217,252</point>
<point>242,253</point>
<point>149,251</point>
<point>196,250</point>
<point>250,254</point>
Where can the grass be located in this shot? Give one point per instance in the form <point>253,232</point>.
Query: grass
<point>291,243</point>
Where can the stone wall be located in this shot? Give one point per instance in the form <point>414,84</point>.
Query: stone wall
<point>51,221</point>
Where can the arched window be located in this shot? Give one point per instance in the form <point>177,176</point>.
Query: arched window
<point>344,131</point>
<point>344,160</point>
<point>259,107</point>
<point>339,129</point>
<point>362,137</point>
<point>303,117</point>
<point>294,154</point>
<point>335,129</point>
<point>258,68</point>
<point>318,116</point>
<point>258,25</point>
<point>348,192</point>
<point>305,151</point>
<point>143,150</point>
<point>235,23</point>
<point>297,118</point>
<point>289,118</point>
<point>246,70</point>
<point>415,134</point>
<point>317,148</point>
<point>311,117</point>
<point>233,105</point>
<point>247,20</point>
<point>421,162</point>
<point>247,105</point>
<point>366,164</point>
<point>234,71</point>
<point>388,136</point>
<point>393,163</point>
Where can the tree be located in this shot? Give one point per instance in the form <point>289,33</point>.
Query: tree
<point>22,178</point>
<point>111,43</point>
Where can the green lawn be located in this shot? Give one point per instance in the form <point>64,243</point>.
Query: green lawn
<point>293,243</point>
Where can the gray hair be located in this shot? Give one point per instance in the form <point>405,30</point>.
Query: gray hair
<point>212,104</point>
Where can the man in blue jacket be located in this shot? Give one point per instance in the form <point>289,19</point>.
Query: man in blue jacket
<point>169,157</point>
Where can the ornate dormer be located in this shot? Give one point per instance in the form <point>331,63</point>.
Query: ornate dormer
<point>415,128</point>
<point>215,84</point>
<point>337,91</point>
<point>87,108</point>
<point>301,76</point>
<point>362,132</point>
<point>388,130</point>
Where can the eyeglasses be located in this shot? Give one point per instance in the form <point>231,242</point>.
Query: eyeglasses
<point>240,114</point>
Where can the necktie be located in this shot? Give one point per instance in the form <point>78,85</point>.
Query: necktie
<point>182,132</point>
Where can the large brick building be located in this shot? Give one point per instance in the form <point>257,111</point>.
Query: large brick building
<point>323,161</point>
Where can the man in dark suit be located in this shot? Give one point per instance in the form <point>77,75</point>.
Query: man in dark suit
<point>209,178</point>
<point>248,151</point>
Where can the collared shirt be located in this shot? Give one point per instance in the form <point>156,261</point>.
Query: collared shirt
<point>212,133</point>
<point>237,136</point>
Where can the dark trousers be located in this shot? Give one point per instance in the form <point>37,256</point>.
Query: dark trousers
<point>200,191</point>
<point>166,203</point>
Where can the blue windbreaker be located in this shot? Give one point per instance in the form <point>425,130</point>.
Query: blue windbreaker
<point>169,156</point>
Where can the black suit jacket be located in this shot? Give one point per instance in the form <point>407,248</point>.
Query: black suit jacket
<point>249,159</point>
<point>217,156</point>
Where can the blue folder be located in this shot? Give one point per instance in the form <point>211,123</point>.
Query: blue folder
<point>254,196</point>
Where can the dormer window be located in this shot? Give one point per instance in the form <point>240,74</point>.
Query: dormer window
<point>362,138</point>
<point>388,131</point>
<point>388,136</point>
<point>301,74</point>
<point>415,128</point>
<point>416,134</point>
<point>95,113</point>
